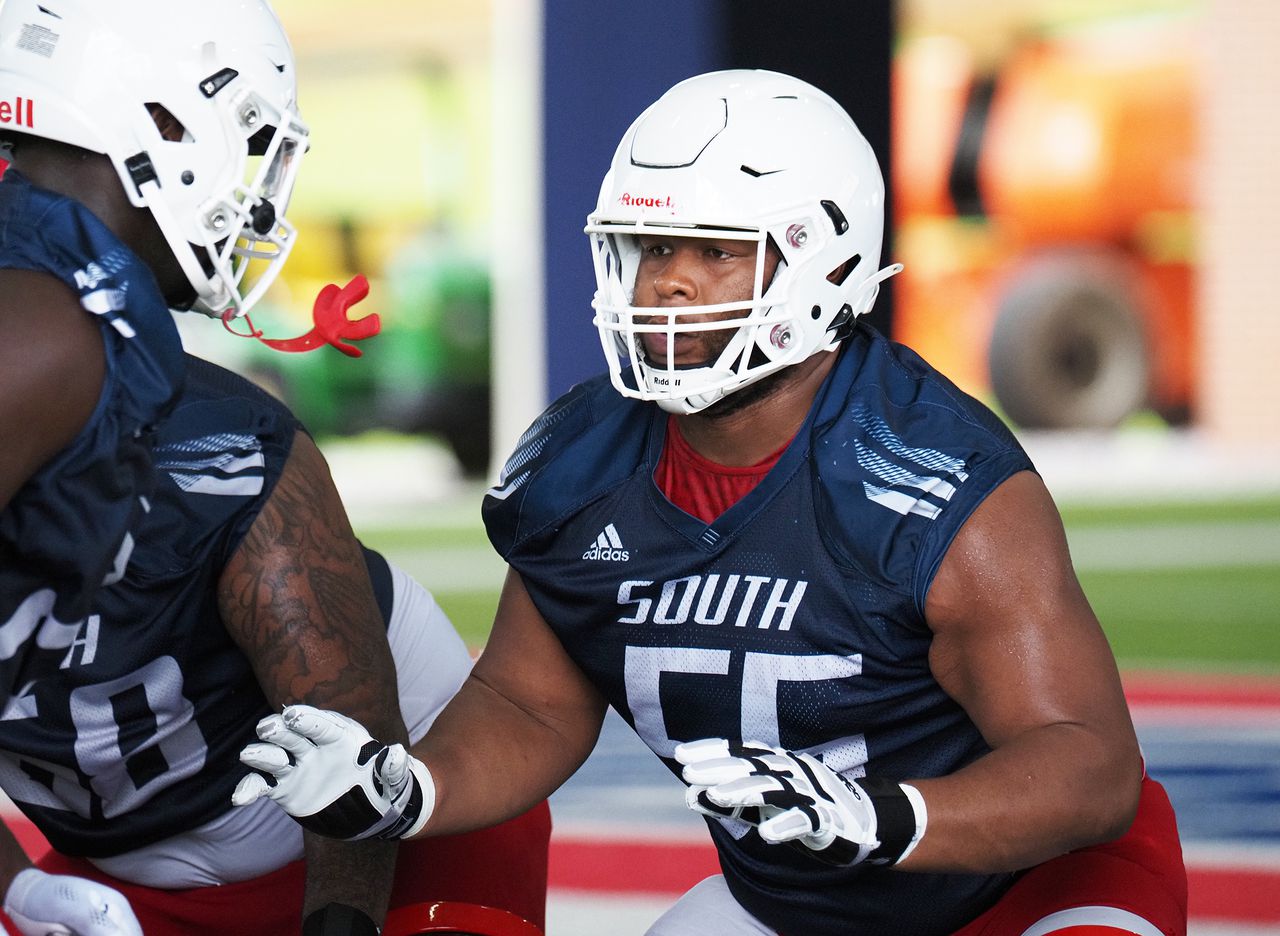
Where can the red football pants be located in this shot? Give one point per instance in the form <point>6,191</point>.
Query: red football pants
<point>503,867</point>
<point>1141,872</point>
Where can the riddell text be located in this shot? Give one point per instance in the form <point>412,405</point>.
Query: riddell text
<point>21,112</point>
<point>645,201</point>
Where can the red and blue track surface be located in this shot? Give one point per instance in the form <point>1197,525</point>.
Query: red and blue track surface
<point>621,828</point>
<point>622,831</point>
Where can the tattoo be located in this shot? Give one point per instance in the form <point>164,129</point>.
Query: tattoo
<point>297,600</point>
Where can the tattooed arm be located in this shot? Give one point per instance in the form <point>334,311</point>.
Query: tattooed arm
<point>297,600</point>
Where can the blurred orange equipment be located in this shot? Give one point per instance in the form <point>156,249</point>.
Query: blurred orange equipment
<point>1044,215</point>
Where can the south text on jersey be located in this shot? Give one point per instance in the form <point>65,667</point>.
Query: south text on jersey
<point>738,600</point>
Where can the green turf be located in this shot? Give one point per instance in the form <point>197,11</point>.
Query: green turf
<point>1222,617</point>
<point>471,613</point>
<point>1154,514</point>
<point>392,539</point>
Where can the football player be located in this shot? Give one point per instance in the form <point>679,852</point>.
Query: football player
<point>154,145</point>
<point>153,148</point>
<point>246,591</point>
<point>106,218</point>
<point>827,588</point>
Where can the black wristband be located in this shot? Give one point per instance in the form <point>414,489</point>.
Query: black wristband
<point>337,919</point>
<point>895,818</point>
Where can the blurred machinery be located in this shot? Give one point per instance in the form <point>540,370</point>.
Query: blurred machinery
<point>1044,214</point>
<point>428,370</point>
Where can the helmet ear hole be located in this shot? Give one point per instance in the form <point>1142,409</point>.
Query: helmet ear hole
<point>170,127</point>
<point>841,273</point>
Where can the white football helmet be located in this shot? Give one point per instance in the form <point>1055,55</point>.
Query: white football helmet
<point>750,155</point>
<point>92,74</point>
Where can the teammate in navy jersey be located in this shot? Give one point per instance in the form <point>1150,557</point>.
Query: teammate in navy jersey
<point>153,148</point>
<point>247,590</point>
<point>825,587</point>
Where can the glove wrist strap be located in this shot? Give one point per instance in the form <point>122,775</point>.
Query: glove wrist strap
<point>427,803</point>
<point>900,818</point>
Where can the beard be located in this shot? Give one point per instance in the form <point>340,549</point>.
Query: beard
<point>745,397</point>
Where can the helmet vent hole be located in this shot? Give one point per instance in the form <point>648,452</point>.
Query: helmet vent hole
<point>836,215</point>
<point>841,273</point>
<point>170,127</point>
<point>261,140</point>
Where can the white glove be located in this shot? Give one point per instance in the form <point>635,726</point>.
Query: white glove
<point>328,773</point>
<point>41,904</point>
<point>802,800</point>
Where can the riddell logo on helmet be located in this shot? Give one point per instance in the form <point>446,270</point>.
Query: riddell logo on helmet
<point>20,112</point>
<point>645,201</point>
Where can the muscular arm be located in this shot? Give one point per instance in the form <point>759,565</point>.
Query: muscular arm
<point>297,600</point>
<point>1016,644</point>
<point>51,371</point>
<point>522,723</point>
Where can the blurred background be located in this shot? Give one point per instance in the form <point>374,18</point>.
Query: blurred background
<point>1084,196</point>
<point>1062,173</point>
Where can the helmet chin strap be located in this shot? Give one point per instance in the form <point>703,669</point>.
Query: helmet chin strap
<point>332,324</point>
<point>687,406</point>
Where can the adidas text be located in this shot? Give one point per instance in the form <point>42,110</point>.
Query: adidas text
<point>607,555</point>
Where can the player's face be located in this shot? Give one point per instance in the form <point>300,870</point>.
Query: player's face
<point>692,271</point>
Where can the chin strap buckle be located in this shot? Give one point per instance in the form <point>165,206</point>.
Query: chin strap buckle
<point>332,326</point>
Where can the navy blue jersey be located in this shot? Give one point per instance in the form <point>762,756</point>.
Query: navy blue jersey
<point>67,529</point>
<point>796,618</point>
<point>126,728</point>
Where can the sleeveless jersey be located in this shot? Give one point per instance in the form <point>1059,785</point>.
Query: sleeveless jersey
<point>796,618</point>
<point>67,530</point>
<point>127,730</point>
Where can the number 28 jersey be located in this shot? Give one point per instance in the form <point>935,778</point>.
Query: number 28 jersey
<point>796,618</point>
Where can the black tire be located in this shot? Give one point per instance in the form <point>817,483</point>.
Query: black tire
<point>471,448</point>
<point>462,417</point>
<point>1069,350</point>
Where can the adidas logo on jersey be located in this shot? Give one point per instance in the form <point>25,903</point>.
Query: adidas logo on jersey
<point>607,547</point>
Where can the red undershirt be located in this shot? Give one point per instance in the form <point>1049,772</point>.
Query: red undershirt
<point>699,486</point>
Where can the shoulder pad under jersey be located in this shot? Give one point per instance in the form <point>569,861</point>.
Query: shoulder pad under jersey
<point>582,445</point>
<point>902,457</point>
